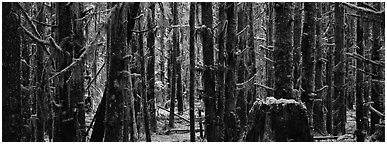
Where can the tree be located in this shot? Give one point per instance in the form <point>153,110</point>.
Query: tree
<point>308,45</point>
<point>283,50</point>
<point>241,65</point>
<point>338,82</point>
<point>192,70</point>
<point>230,117</point>
<point>360,131</point>
<point>377,87</point>
<point>11,73</point>
<point>175,48</point>
<point>329,80</point>
<point>318,115</point>
<point>151,66</point>
<point>221,70</point>
<point>297,44</point>
<point>208,75</point>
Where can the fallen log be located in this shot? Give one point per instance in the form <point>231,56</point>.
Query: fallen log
<point>174,114</point>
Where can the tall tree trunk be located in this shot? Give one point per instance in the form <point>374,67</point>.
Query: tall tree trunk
<point>339,62</point>
<point>65,128</point>
<point>283,50</point>
<point>221,70</point>
<point>230,118</point>
<point>77,82</point>
<point>269,43</point>
<point>329,80</point>
<point>175,47</point>
<point>208,75</point>
<point>143,88</point>
<point>297,45</point>
<point>11,74</point>
<point>151,67</point>
<point>318,113</point>
<point>360,131</point>
<point>40,81</point>
<point>377,86</point>
<point>192,70</point>
<point>308,45</point>
<point>252,69</point>
<point>241,67</point>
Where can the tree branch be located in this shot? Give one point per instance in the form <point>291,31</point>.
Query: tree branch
<point>266,87</point>
<point>357,56</point>
<point>29,20</point>
<point>366,10</point>
<point>41,23</point>
<point>143,31</point>
<point>95,77</point>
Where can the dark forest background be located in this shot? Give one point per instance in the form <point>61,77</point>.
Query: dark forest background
<point>187,71</point>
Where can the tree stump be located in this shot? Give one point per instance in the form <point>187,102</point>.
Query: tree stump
<point>278,120</point>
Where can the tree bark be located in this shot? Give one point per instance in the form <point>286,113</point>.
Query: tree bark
<point>360,132</point>
<point>208,75</point>
<point>329,80</point>
<point>221,75</point>
<point>308,45</point>
<point>283,50</point>
<point>338,93</point>
<point>11,73</point>
<point>192,70</point>
<point>377,88</point>
<point>297,45</point>
<point>151,67</point>
<point>318,113</point>
<point>175,47</point>
<point>230,118</point>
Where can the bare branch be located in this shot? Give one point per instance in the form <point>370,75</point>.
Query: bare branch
<point>44,24</point>
<point>357,56</point>
<point>88,85</point>
<point>266,87</point>
<point>143,31</point>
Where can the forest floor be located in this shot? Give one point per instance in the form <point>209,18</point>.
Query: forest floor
<point>180,133</point>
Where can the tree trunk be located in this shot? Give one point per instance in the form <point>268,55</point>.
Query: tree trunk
<point>308,64</point>
<point>297,45</point>
<point>208,75</point>
<point>11,74</point>
<point>65,128</point>
<point>174,64</point>
<point>318,113</point>
<point>338,95</point>
<point>221,70</point>
<point>99,126</point>
<point>269,54</point>
<point>329,80</point>
<point>230,118</point>
<point>252,69</point>
<point>377,87</point>
<point>241,67</point>
<point>283,50</point>
<point>360,131</point>
<point>151,67</point>
<point>192,70</point>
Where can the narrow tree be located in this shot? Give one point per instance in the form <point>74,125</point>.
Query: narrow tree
<point>283,50</point>
<point>174,64</point>
<point>360,131</point>
<point>308,45</point>
<point>221,69</point>
<point>230,117</point>
<point>11,73</point>
<point>329,80</point>
<point>151,66</point>
<point>297,44</point>
<point>338,82</point>
<point>208,75</point>
<point>192,70</point>
<point>318,114</point>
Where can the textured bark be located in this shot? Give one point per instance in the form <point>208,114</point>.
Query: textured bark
<point>251,60</point>
<point>99,127</point>
<point>308,45</point>
<point>338,94</point>
<point>208,75</point>
<point>192,70</point>
<point>278,120</point>
<point>65,128</point>
<point>329,80</point>
<point>40,81</point>
<point>269,54</point>
<point>174,64</point>
<point>297,45</point>
<point>230,118</point>
<point>377,87</point>
<point>318,113</point>
<point>11,108</point>
<point>241,67</point>
<point>151,67</point>
<point>221,74</point>
<point>283,50</point>
<point>360,131</point>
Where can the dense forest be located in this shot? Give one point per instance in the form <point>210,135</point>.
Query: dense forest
<point>193,71</point>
